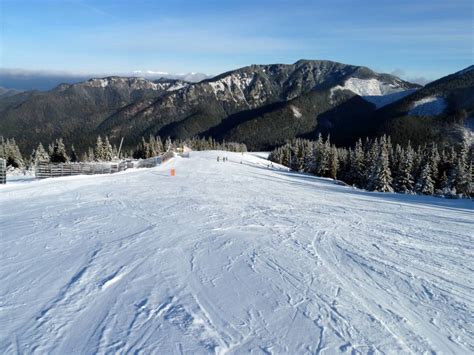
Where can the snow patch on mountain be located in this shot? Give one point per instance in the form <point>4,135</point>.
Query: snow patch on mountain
<point>152,75</point>
<point>102,83</point>
<point>231,86</point>
<point>373,90</point>
<point>136,83</point>
<point>177,86</point>
<point>296,111</point>
<point>428,106</point>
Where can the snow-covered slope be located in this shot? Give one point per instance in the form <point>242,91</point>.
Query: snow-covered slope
<point>133,83</point>
<point>428,106</point>
<point>231,257</point>
<point>378,92</point>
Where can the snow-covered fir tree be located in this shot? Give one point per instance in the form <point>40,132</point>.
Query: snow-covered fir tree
<point>425,184</point>
<point>403,181</point>
<point>380,178</point>
<point>99,153</point>
<point>58,152</point>
<point>39,155</point>
<point>357,165</point>
<point>107,150</point>
<point>10,151</point>
<point>73,156</point>
<point>377,165</point>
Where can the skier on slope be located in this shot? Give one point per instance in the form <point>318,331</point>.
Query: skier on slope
<point>217,158</point>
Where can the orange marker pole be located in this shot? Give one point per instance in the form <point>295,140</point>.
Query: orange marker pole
<point>173,172</point>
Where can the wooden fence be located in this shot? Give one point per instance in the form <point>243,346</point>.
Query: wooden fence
<point>154,161</point>
<point>3,171</point>
<point>48,170</point>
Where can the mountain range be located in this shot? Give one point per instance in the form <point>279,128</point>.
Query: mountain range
<point>260,105</point>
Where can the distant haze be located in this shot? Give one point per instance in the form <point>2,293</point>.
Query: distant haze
<point>20,79</point>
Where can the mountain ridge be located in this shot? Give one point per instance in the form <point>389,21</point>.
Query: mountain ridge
<point>260,105</point>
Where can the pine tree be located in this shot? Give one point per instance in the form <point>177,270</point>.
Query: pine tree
<point>357,165</point>
<point>40,155</point>
<point>107,150</point>
<point>159,145</point>
<point>381,177</point>
<point>84,157</point>
<point>58,154</point>
<point>463,181</point>
<point>445,187</point>
<point>169,144</point>
<point>73,157</point>
<point>322,156</point>
<point>333,163</point>
<point>300,155</point>
<point>425,183</point>
<point>90,154</point>
<point>403,181</point>
<point>99,153</point>
<point>12,154</point>
<point>434,157</point>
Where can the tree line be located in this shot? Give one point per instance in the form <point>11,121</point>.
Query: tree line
<point>103,150</point>
<point>377,165</point>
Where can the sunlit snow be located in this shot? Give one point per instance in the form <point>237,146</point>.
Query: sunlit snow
<point>237,257</point>
<point>375,91</point>
<point>428,106</point>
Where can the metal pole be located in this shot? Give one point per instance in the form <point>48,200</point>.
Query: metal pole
<point>120,148</point>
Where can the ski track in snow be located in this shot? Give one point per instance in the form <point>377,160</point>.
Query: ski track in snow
<point>231,258</point>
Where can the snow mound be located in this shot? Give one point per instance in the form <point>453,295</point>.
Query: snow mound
<point>428,106</point>
<point>375,91</point>
<point>230,257</point>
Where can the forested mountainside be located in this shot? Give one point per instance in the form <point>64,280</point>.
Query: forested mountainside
<point>260,105</point>
<point>440,111</point>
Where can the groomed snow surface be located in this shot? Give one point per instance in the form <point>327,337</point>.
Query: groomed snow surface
<point>231,257</point>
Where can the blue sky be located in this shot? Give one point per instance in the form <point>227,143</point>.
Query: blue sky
<point>414,39</point>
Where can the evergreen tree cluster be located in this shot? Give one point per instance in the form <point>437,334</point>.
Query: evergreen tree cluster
<point>151,148</point>
<point>103,150</point>
<point>56,153</point>
<point>154,146</point>
<point>198,144</point>
<point>377,165</point>
<point>11,153</point>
